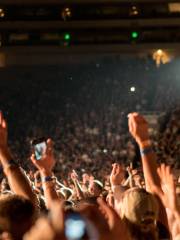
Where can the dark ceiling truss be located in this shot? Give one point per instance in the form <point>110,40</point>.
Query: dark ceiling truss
<point>31,23</point>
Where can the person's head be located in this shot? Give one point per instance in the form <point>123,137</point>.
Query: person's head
<point>17,215</point>
<point>139,210</point>
<point>95,188</point>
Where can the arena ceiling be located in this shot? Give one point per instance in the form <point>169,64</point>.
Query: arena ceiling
<point>52,27</point>
<point>24,2</point>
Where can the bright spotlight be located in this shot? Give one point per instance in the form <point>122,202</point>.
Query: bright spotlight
<point>67,36</point>
<point>161,56</point>
<point>2,14</point>
<point>132,89</point>
<point>159,52</point>
<point>66,13</point>
<point>133,11</point>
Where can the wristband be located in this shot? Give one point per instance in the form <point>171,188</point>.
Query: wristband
<point>47,179</point>
<point>146,151</point>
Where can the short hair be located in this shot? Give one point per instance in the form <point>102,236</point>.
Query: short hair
<point>17,215</point>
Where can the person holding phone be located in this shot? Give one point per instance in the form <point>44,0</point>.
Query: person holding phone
<point>43,159</point>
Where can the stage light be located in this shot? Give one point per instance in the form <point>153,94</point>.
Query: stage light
<point>67,36</point>
<point>66,13</point>
<point>174,7</point>
<point>133,11</point>
<point>132,89</point>
<point>159,52</point>
<point>161,56</point>
<point>105,150</point>
<point>2,14</point>
<point>134,35</point>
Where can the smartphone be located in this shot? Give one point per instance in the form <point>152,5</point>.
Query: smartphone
<point>39,147</point>
<point>79,228</point>
<point>75,226</point>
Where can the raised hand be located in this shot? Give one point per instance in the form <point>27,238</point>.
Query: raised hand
<point>168,193</point>
<point>110,200</point>
<point>47,162</point>
<point>117,174</point>
<point>74,175</point>
<point>45,166</point>
<point>138,127</point>
<point>131,171</point>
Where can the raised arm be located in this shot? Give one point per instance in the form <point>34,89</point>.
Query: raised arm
<point>169,199</point>
<point>17,179</point>
<point>45,166</point>
<point>116,179</point>
<point>77,185</point>
<point>138,128</point>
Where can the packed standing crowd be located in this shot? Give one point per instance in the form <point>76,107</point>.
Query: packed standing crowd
<point>101,176</point>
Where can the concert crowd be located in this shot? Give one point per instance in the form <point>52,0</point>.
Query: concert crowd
<point>80,158</point>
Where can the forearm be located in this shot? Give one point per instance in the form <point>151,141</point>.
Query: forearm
<point>117,191</point>
<point>17,180</point>
<point>19,183</point>
<point>152,181</point>
<point>149,164</point>
<point>48,188</point>
<point>174,225</point>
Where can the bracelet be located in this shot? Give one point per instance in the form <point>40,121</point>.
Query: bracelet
<point>47,179</point>
<point>146,151</point>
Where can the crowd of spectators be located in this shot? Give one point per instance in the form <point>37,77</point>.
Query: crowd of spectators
<point>101,170</point>
<point>84,108</point>
<point>132,204</point>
